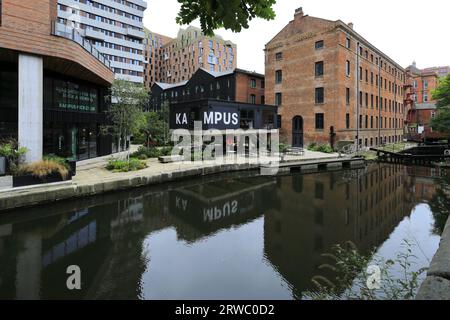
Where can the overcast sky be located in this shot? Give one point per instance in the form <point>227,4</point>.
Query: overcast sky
<point>406,30</point>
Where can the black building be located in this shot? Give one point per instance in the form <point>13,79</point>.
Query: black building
<point>237,85</point>
<point>222,115</point>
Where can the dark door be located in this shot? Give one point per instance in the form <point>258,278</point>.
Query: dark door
<point>332,137</point>
<point>297,131</point>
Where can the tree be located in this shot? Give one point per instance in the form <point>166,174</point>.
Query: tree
<point>442,93</point>
<point>441,122</point>
<point>128,101</point>
<point>155,125</point>
<point>229,14</point>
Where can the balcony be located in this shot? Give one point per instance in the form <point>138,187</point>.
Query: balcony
<point>92,34</point>
<point>61,30</point>
<point>135,33</point>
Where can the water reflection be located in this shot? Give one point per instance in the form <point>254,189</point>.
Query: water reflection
<point>254,237</point>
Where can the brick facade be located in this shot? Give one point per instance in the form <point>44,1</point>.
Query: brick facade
<point>333,104</point>
<point>180,58</point>
<point>421,84</point>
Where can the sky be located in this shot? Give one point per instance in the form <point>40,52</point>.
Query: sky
<point>405,30</point>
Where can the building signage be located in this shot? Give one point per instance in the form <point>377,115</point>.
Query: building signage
<point>215,118</point>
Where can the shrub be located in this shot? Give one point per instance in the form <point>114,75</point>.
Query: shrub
<point>60,160</point>
<point>10,149</point>
<point>151,152</point>
<point>282,148</point>
<point>44,168</point>
<point>117,165</point>
<point>325,148</point>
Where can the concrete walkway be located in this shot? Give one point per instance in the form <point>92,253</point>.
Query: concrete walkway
<point>92,178</point>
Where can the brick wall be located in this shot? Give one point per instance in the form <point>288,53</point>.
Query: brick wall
<point>297,45</point>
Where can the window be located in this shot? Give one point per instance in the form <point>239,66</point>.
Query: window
<point>278,76</point>
<point>319,121</point>
<point>425,84</point>
<point>263,84</point>
<point>347,95</point>
<point>425,97</point>
<point>347,68</point>
<point>360,73</point>
<point>319,45</point>
<point>348,43</point>
<point>319,69</point>
<point>252,99</point>
<point>279,56</point>
<point>263,100</point>
<point>347,121</point>
<point>253,83</point>
<point>320,95</point>
<point>278,99</point>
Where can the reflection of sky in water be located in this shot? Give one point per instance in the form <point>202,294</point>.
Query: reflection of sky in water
<point>417,229</point>
<point>225,266</point>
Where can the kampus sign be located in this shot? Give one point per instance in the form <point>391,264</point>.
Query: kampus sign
<point>219,118</point>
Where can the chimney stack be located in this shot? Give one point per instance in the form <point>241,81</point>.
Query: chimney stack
<point>350,24</point>
<point>299,12</point>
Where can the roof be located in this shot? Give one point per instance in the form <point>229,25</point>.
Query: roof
<point>218,74</point>
<point>166,86</point>
<point>425,106</point>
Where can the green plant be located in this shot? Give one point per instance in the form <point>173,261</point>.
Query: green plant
<point>325,148</point>
<point>133,164</point>
<point>60,160</point>
<point>352,277</point>
<point>10,149</point>
<point>44,168</point>
<point>282,148</point>
<point>151,152</point>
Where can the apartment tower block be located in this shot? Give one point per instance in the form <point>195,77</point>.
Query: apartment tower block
<point>114,27</point>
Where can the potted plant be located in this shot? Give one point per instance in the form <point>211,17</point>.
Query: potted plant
<point>12,156</point>
<point>2,165</point>
<point>45,171</point>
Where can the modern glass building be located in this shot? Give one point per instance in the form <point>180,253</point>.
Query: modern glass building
<point>54,85</point>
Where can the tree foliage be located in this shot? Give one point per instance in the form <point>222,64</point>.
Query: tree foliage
<point>155,126</point>
<point>441,122</point>
<point>229,14</point>
<point>442,93</point>
<point>128,101</point>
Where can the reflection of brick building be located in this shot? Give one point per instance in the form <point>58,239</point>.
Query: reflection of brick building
<point>320,211</point>
<point>333,85</point>
<point>421,84</point>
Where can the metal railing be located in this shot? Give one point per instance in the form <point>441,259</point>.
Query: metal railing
<point>62,30</point>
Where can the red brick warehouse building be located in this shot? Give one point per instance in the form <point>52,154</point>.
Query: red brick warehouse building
<point>421,83</point>
<point>332,85</point>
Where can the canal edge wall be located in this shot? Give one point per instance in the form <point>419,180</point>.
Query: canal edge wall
<point>436,285</point>
<point>44,194</point>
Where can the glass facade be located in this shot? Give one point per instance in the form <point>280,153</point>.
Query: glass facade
<point>73,114</point>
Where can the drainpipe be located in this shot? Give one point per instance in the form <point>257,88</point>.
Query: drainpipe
<point>358,76</point>
<point>380,101</point>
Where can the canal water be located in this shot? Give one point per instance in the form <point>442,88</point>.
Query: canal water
<point>220,237</point>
